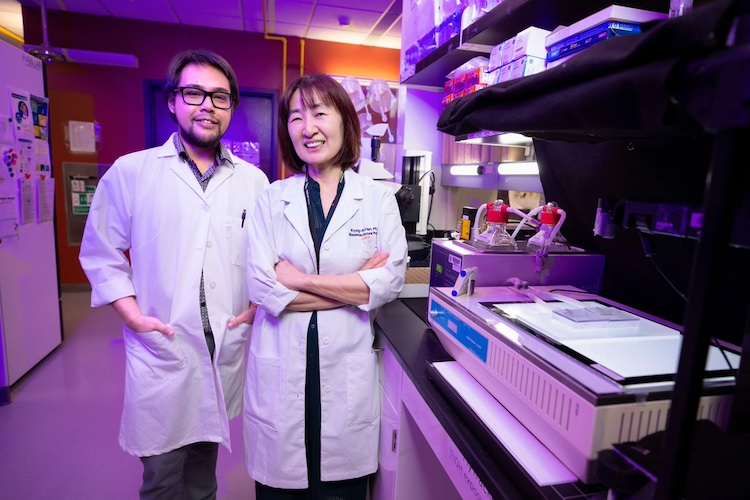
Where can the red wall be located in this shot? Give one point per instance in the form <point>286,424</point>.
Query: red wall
<point>114,96</point>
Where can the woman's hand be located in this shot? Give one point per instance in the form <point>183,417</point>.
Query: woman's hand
<point>290,276</point>
<point>378,260</point>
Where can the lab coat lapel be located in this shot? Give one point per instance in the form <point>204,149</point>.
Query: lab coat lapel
<point>348,206</point>
<point>178,167</point>
<point>182,170</point>
<point>222,173</point>
<point>295,210</point>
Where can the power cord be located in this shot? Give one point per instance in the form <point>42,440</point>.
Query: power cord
<point>431,191</point>
<point>648,249</point>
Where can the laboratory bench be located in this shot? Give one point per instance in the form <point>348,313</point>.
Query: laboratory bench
<point>432,444</point>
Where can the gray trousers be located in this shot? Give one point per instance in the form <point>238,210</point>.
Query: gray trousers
<point>185,473</point>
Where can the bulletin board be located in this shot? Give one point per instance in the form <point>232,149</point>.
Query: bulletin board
<point>79,183</point>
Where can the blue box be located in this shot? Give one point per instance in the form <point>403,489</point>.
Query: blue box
<point>580,41</point>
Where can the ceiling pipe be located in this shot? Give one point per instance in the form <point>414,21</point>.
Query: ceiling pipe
<point>283,65</point>
<point>283,43</point>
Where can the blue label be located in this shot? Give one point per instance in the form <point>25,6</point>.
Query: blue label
<point>473,341</point>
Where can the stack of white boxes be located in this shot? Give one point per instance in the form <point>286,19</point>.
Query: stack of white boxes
<point>522,55</point>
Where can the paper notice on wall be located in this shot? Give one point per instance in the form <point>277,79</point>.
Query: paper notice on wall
<point>20,109</point>
<point>45,199</point>
<point>246,150</point>
<point>81,196</point>
<point>28,200</point>
<point>17,160</point>
<point>42,161</point>
<point>82,137</point>
<point>6,130</point>
<point>9,218</point>
<point>39,116</point>
<point>10,166</point>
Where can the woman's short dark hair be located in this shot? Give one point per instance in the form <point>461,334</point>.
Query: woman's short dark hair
<point>331,93</point>
<point>207,57</point>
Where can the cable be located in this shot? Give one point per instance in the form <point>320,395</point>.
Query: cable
<point>432,192</point>
<point>430,171</point>
<point>648,250</point>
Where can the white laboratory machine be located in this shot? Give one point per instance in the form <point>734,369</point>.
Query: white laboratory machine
<point>579,371</point>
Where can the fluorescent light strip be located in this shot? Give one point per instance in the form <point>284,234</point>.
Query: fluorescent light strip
<point>465,169</point>
<point>518,168</point>
<point>514,139</point>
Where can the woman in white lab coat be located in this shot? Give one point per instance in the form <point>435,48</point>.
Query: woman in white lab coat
<point>329,250</point>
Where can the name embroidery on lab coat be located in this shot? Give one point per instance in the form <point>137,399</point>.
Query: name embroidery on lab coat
<point>365,233</point>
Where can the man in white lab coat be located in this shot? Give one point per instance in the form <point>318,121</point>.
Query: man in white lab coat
<point>182,211</point>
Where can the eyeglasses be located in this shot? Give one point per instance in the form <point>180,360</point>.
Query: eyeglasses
<point>195,97</point>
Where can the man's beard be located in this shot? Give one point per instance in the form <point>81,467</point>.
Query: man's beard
<point>198,141</point>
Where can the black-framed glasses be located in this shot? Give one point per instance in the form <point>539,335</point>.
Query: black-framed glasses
<point>195,97</point>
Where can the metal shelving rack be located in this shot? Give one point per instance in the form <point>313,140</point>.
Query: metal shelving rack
<point>503,22</point>
<point>714,91</point>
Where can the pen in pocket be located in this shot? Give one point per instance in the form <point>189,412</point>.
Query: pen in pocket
<point>244,212</point>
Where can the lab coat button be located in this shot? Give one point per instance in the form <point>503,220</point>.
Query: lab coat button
<point>328,388</point>
<point>326,340</point>
<point>327,246</point>
<point>212,285</point>
<point>208,244</point>
<point>206,208</point>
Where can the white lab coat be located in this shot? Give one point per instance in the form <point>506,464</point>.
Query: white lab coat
<point>151,204</point>
<point>366,219</point>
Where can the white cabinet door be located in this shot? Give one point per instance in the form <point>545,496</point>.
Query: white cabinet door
<point>391,373</point>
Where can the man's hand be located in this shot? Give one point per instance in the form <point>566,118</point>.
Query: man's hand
<point>131,315</point>
<point>290,276</point>
<point>145,324</point>
<point>378,260</point>
<point>246,316</point>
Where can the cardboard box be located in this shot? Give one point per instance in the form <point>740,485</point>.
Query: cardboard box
<point>504,73</point>
<point>496,57</point>
<point>530,42</point>
<point>526,66</point>
<point>476,76</point>
<point>507,51</point>
<point>611,13</point>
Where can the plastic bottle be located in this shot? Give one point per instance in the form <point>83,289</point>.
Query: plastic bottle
<point>497,234</point>
<point>550,217</point>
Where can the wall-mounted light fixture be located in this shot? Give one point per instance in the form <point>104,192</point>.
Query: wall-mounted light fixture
<point>518,168</point>
<point>461,170</point>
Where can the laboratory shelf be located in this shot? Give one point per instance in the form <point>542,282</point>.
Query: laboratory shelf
<point>503,22</point>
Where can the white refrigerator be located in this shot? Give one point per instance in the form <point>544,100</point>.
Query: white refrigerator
<point>30,326</point>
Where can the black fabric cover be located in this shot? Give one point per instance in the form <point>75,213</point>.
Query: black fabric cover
<point>621,87</point>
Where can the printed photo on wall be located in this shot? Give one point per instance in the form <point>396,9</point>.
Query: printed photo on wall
<point>376,105</point>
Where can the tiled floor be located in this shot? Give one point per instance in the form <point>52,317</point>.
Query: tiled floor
<point>58,437</point>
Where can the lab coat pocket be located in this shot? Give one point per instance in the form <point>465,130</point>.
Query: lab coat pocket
<point>361,249</point>
<point>154,355</point>
<point>362,396</point>
<point>233,350</point>
<point>263,390</point>
<point>236,239</point>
